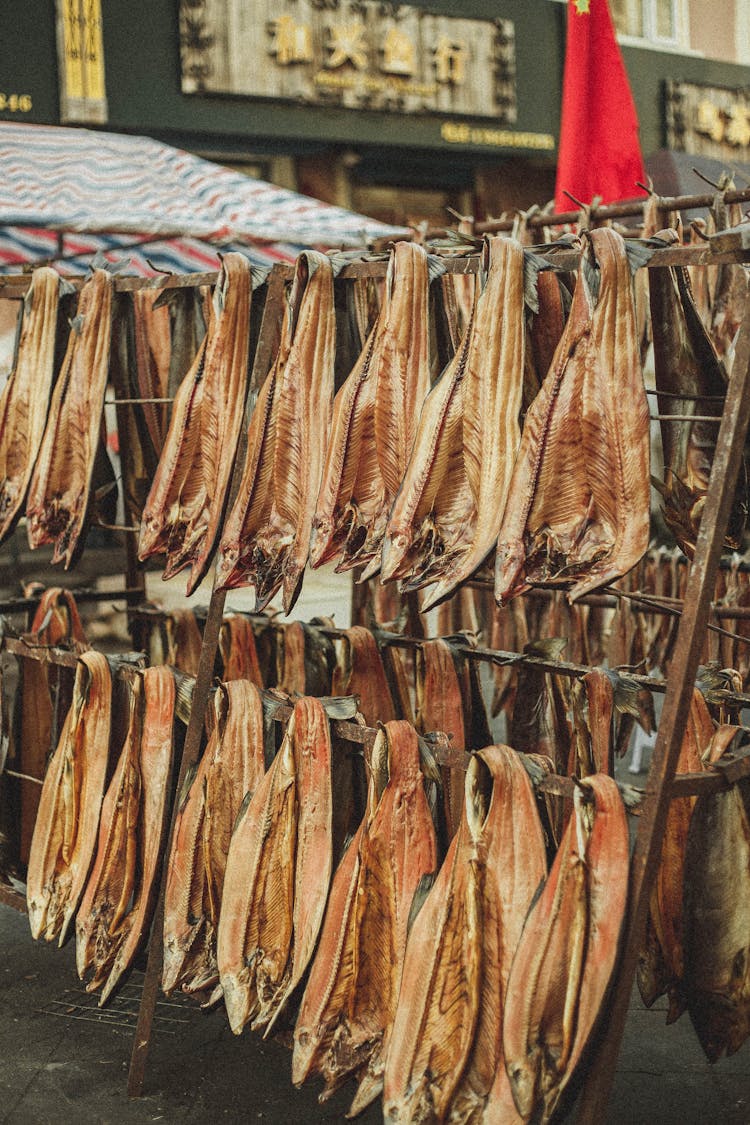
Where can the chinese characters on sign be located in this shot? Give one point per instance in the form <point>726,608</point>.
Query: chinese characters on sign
<point>361,55</point>
<point>80,52</point>
<point>708,120</point>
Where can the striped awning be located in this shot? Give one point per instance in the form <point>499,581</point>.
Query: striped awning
<point>79,180</point>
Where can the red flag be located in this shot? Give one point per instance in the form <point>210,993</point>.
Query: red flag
<point>599,151</point>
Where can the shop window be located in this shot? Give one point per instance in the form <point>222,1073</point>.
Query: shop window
<point>657,21</point>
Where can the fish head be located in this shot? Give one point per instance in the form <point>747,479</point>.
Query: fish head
<point>395,547</point>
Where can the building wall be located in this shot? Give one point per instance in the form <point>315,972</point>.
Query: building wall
<point>713,37</point>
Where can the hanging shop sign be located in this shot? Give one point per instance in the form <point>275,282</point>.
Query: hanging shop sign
<point>708,120</point>
<point>80,53</point>
<point>360,54</point>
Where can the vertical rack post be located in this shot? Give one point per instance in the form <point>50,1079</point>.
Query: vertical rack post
<point>267,344</point>
<point>647,854</point>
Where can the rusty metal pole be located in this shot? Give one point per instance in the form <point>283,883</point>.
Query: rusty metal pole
<point>690,638</point>
<point>267,343</point>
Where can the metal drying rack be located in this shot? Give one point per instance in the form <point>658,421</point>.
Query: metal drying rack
<point>731,247</point>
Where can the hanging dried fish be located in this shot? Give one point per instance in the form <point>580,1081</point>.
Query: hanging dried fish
<point>111,884</point>
<point>359,671</point>
<point>231,769</point>
<point>448,512</point>
<point>266,538</point>
<point>578,511</point>
<point>238,651</point>
<point>306,660</point>
<point>64,840</point>
<point>61,493</point>
<point>567,951</point>
<point>374,421</point>
<point>25,398</point>
<point>661,961</point>
<point>500,794</point>
<point>685,362</point>
<point>277,874</point>
<point>185,506</point>
<point>152,349</point>
<point>350,999</point>
<point>441,986</point>
<point>155,760</point>
<point>716,915</point>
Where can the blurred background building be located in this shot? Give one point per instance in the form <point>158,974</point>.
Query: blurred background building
<point>398,111</point>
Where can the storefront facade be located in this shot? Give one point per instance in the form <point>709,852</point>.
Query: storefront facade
<point>398,111</point>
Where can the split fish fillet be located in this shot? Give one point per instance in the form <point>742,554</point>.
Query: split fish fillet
<point>306,660</point>
<point>441,706</point>
<point>238,651</point>
<point>184,641</point>
<point>25,397</point>
<point>448,512</point>
<point>185,506</point>
<point>374,421</point>
<point>578,511</point>
<point>231,769</point>
<point>567,951</point>
<point>60,492</point>
<point>350,1000</point>
<point>155,757</point>
<point>153,355</point>
<point>661,961</point>
<point>359,671</point>
<point>716,919</point>
<point>441,986</point>
<point>512,849</point>
<point>277,874</point>
<point>266,538</point>
<point>65,833</point>
<point>111,883</point>
<point>685,361</point>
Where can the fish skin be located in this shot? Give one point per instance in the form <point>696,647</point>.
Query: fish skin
<point>439,1000</point>
<point>112,880</point>
<point>60,491</point>
<point>359,671</point>
<point>661,962</point>
<point>314,853</point>
<point>578,510</point>
<point>238,650</point>
<point>184,640</point>
<point>306,661</point>
<point>350,999</point>
<point>156,749</point>
<point>375,417</point>
<point>440,706</point>
<point>153,355</point>
<point>266,538</point>
<point>716,918</point>
<point>64,840</point>
<point>247,975</point>
<point>685,360</point>
<point>185,506</point>
<point>25,398</point>
<point>232,766</point>
<point>447,515</point>
<point>564,960</point>
<point>514,856</point>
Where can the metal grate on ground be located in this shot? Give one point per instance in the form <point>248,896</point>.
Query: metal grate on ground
<point>121,1010</point>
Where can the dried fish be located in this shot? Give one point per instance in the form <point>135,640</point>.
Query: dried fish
<point>449,510</point>
<point>374,421</point>
<point>231,769</point>
<point>238,651</point>
<point>60,497</point>
<point>578,511</point>
<point>567,951</point>
<point>266,538</point>
<point>716,915</point>
<point>65,833</point>
<point>350,999</point>
<point>359,671</point>
<point>25,397</point>
<point>186,503</point>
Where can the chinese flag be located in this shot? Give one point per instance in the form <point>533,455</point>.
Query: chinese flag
<point>599,151</point>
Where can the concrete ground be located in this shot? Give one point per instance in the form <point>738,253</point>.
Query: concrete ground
<point>59,1064</point>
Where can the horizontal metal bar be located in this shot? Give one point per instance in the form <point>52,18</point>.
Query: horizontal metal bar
<point>82,596</point>
<point>141,401</point>
<point>715,418</point>
<point>23,776</point>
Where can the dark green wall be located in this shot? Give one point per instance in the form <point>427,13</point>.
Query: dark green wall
<point>28,58</point>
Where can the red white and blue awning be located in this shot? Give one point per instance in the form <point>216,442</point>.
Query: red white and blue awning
<point>80,180</point>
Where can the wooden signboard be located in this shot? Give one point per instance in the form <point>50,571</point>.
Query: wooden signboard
<point>359,54</point>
